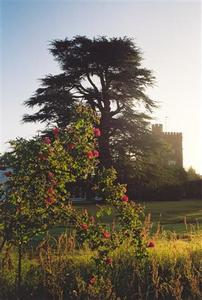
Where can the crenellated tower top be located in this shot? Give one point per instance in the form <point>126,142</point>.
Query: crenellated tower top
<point>174,139</point>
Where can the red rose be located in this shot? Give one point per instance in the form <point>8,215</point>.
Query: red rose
<point>151,244</point>
<point>50,175</point>
<point>71,146</point>
<point>84,226</point>
<point>8,174</point>
<point>49,200</point>
<point>47,140</point>
<point>95,153</point>
<point>124,198</point>
<point>106,234</point>
<point>90,154</point>
<point>96,132</point>
<point>52,180</point>
<point>108,261</point>
<point>56,132</point>
<point>92,280</point>
<point>42,157</point>
<point>51,191</point>
<point>92,219</point>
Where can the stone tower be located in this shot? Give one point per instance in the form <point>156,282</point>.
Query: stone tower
<point>174,139</point>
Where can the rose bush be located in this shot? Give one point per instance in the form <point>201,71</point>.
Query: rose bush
<point>41,169</point>
<point>35,196</point>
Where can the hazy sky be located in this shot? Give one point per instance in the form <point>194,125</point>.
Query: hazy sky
<point>168,32</point>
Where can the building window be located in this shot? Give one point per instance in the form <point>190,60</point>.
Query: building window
<point>172,162</point>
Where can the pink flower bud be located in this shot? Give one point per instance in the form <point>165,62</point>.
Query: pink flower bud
<point>108,261</point>
<point>47,140</point>
<point>90,154</point>
<point>95,153</point>
<point>96,132</point>
<point>51,191</point>
<point>71,146</point>
<point>56,132</point>
<point>42,157</point>
<point>124,198</point>
<point>150,244</point>
<point>92,280</point>
<point>92,219</point>
<point>106,234</point>
<point>50,175</point>
<point>49,200</point>
<point>84,226</point>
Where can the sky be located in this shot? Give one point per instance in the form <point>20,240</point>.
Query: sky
<point>168,33</point>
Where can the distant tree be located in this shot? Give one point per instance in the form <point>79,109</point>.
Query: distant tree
<point>151,172</point>
<point>156,170</point>
<point>107,74</point>
<point>192,175</point>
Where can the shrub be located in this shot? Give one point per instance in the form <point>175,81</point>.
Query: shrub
<point>35,198</point>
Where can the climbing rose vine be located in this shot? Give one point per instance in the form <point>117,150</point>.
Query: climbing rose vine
<point>36,196</point>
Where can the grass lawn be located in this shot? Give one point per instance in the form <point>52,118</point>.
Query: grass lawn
<point>172,270</point>
<point>170,214</point>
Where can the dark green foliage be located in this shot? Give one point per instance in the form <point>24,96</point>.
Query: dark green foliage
<point>192,175</point>
<point>107,74</point>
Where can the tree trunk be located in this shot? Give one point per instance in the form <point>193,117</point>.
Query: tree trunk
<point>104,145</point>
<point>19,272</point>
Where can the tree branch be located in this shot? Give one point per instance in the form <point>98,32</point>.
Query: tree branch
<point>81,90</point>
<point>91,82</point>
<point>119,108</point>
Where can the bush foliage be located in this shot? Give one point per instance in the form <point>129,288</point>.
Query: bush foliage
<point>35,197</point>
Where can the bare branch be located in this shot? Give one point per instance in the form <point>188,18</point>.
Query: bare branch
<point>92,83</point>
<point>119,108</point>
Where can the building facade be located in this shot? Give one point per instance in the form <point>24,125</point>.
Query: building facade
<point>174,139</point>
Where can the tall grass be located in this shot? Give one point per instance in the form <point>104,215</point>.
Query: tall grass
<point>57,270</point>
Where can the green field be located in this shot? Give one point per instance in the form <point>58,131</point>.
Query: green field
<point>174,261</point>
<point>170,214</point>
